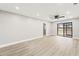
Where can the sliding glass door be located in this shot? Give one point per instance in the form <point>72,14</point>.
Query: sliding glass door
<point>60,29</point>
<point>65,29</point>
<point>69,29</point>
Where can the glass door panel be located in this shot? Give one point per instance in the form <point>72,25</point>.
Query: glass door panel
<point>60,29</point>
<point>65,29</point>
<point>69,29</point>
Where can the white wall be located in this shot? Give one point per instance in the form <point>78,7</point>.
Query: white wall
<point>54,28</point>
<point>16,28</point>
<point>75,27</point>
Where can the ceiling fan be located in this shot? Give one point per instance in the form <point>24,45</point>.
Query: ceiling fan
<point>56,16</point>
<point>75,4</point>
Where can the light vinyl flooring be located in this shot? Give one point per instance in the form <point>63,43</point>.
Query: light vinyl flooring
<point>47,46</point>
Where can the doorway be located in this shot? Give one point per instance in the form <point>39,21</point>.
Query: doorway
<point>44,29</point>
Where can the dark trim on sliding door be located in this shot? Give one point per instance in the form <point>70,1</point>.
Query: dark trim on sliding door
<point>65,29</point>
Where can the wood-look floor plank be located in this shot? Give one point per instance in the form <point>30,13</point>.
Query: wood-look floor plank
<point>47,46</point>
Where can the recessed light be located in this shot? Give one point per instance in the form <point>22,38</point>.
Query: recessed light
<point>70,16</point>
<point>37,14</point>
<point>17,8</point>
<point>68,12</point>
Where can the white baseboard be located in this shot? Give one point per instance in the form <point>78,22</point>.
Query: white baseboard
<point>13,43</point>
<point>75,37</point>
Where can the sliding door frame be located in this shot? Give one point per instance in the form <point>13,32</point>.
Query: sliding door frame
<point>65,29</point>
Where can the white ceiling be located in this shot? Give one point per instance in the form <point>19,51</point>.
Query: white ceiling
<point>42,10</point>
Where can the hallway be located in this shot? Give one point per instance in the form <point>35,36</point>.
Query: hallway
<point>47,46</point>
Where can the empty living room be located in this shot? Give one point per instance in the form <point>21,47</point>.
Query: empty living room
<point>39,29</point>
